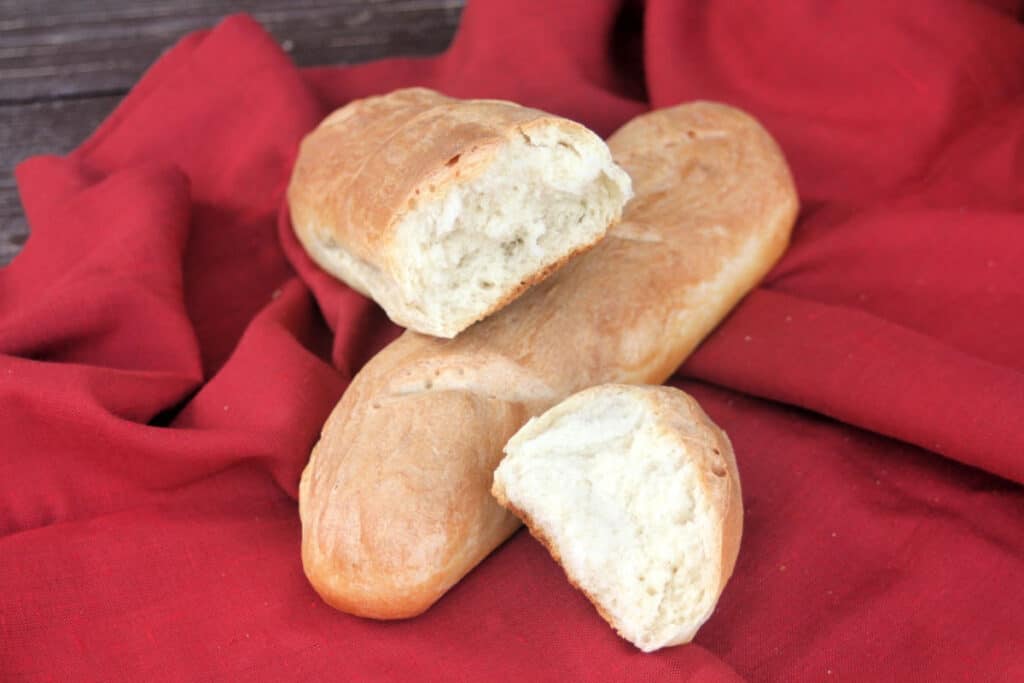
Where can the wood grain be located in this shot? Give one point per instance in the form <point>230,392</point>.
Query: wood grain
<point>56,48</point>
<point>65,65</point>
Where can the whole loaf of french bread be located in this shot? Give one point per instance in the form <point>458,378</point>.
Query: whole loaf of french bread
<point>395,501</point>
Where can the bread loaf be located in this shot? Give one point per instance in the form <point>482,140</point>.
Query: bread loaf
<point>395,501</point>
<point>635,492</point>
<point>444,210</point>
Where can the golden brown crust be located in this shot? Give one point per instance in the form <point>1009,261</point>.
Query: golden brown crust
<point>732,528</point>
<point>395,501</point>
<point>391,515</point>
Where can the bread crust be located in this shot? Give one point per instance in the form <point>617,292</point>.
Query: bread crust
<point>395,501</point>
<point>370,163</point>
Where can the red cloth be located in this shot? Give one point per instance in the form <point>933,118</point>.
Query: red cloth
<point>164,371</point>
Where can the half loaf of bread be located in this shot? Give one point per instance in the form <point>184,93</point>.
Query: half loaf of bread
<point>444,210</point>
<point>635,492</point>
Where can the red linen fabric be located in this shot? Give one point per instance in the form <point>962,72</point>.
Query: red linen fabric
<point>167,356</point>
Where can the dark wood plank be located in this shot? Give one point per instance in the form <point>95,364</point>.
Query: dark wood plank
<point>53,48</point>
<point>64,65</point>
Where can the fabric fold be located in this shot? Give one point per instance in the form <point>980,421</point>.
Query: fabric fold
<point>866,372</point>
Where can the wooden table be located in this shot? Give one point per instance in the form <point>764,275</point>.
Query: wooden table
<point>64,65</point>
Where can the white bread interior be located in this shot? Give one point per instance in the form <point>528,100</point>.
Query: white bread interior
<point>630,489</point>
<point>544,197</point>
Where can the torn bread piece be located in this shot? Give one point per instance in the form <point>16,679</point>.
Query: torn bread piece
<point>445,210</point>
<point>635,492</point>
